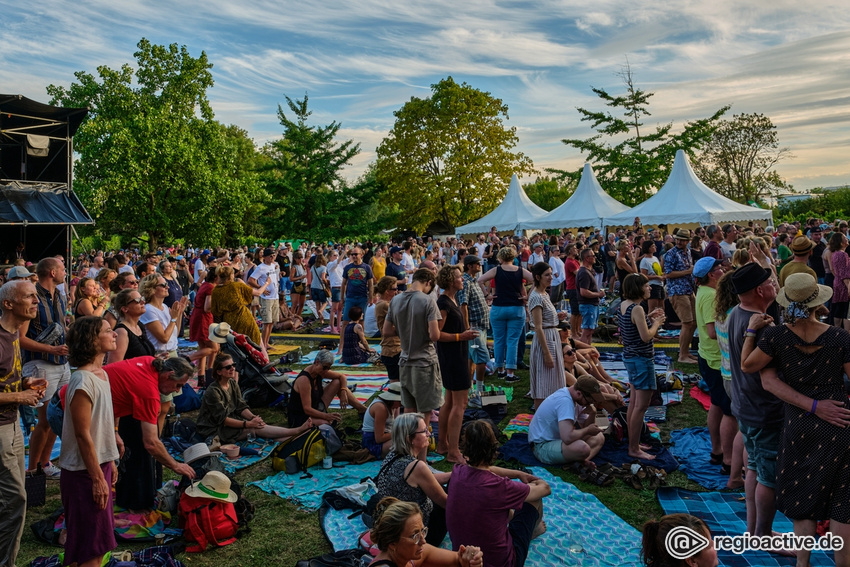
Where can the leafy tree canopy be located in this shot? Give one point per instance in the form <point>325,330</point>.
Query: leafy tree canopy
<point>829,205</point>
<point>629,159</point>
<point>152,158</point>
<point>547,193</point>
<point>448,157</point>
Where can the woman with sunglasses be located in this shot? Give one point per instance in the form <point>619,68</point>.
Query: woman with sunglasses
<point>133,339</point>
<point>400,534</point>
<point>225,413</point>
<point>161,323</point>
<point>124,280</point>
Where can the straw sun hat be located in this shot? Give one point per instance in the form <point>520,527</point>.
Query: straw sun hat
<point>804,291</point>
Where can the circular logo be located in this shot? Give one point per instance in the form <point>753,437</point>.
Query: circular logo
<point>683,542</point>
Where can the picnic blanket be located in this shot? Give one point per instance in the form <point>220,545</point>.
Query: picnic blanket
<point>617,454</point>
<point>310,358</point>
<point>519,424</point>
<point>692,448</point>
<point>700,396</point>
<point>725,513</point>
<point>562,544</point>
<point>143,526</point>
<point>264,446</point>
<point>367,384</point>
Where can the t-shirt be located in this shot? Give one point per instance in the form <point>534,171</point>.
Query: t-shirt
<point>488,499</point>
<point>708,347</point>
<point>408,265</point>
<point>316,272</point>
<point>795,268</point>
<point>10,373</point>
<point>199,267</point>
<point>652,266</point>
<point>164,317</point>
<point>713,250</point>
<point>751,403</point>
<point>585,279</point>
<point>135,388</point>
<point>335,272</point>
<point>411,312</point>
<point>721,329</point>
<point>358,277</point>
<point>816,259</point>
<point>784,254</point>
<point>102,422</point>
<point>571,266</point>
<point>557,266</point>
<point>265,272</point>
<point>397,271</point>
<point>559,406</point>
<point>370,322</point>
<point>283,263</point>
<point>126,269</point>
<point>481,248</point>
<point>728,249</point>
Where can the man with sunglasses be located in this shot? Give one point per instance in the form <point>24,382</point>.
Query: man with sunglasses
<point>563,429</point>
<point>358,283</point>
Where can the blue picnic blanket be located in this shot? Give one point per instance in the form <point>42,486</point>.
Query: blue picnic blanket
<point>307,492</point>
<point>692,448</point>
<point>568,540</point>
<point>725,513</point>
<point>310,357</point>
<point>617,454</point>
<point>263,447</point>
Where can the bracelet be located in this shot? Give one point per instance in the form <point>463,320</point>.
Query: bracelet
<point>750,334</point>
<point>457,337</point>
<point>244,424</point>
<point>814,407</point>
<point>116,430</point>
<point>753,331</point>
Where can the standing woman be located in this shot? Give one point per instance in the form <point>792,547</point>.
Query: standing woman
<point>199,325</point>
<point>230,301</point>
<point>161,323</point>
<point>90,302</point>
<point>571,266</point>
<point>298,276</point>
<point>624,262</point>
<point>175,292</point>
<point>453,354</point>
<point>651,268</point>
<point>89,449</point>
<point>335,265</point>
<point>386,289</point>
<point>637,331</point>
<point>318,285</point>
<point>507,315</point>
<point>132,337</point>
<point>840,267</point>
<point>378,263</point>
<point>547,364</point>
<point>104,278</point>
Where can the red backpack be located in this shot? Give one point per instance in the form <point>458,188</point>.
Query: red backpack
<point>206,522</point>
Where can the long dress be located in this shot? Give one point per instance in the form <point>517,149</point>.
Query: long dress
<point>230,305</point>
<point>200,320</point>
<point>453,356</point>
<point>812,478</point>
<point>544,380</point>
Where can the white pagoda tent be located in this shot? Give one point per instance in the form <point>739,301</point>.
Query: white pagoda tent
<point>685,200</point>
<point>514,210</point>
<point>587,206</point>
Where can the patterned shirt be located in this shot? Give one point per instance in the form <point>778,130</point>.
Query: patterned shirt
<point>50,310</point>
<point>676,260</point>
<point>476,305</point>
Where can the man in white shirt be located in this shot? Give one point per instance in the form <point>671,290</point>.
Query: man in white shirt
<point>559,276</point>
<point>270,300</point>
<point>407,261</point>
<point>96,266</point>
<point>537,255</point>
<point>201,267</point>
<point>480,246</point>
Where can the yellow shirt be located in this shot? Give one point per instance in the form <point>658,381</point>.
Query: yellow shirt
<point>379,267</point>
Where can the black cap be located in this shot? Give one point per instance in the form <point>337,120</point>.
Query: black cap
<point>268,252</point>
<point>748,277</point>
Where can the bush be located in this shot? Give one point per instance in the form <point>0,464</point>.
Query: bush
<point>828,206</point>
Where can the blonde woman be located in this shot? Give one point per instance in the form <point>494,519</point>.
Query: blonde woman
<point>161,323</point>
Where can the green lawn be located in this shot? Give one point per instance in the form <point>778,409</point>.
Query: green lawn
<point>282,534</point>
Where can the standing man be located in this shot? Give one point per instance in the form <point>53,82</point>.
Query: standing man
<point>802,249</point>
<point>556,290</point>
<point>537,255</point>
<point>715,237</point>
<point>588,295</point>
<point>571,267</point>
<point>678,267</point>
<point>358,284</point>
<point>407,260</point>
<point>50,356</point>
<point>19,303</point>
<point>727,245</point>
<point>96,266</point>
<point>477,313</point>
<point>395,269</point>
<point>481,246</point>
<point>270,300</point>
<point>816,259</point>
<point>610,250</point>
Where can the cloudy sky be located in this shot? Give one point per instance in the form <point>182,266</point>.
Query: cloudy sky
<point>360,61</point>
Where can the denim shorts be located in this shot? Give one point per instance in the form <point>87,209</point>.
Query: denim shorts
<point>762,444</point>
<point>478,352</point>
<point>641,372</point>
<point>589,315</point>
<point>335,293</point>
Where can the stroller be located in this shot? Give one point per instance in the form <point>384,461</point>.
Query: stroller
<point>261,383</point>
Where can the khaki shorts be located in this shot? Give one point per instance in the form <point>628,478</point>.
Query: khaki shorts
<point>685,307</point>
<point>270,310</point>
<point>421,387</point>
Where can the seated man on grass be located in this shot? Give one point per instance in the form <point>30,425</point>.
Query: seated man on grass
<point>563,430</point>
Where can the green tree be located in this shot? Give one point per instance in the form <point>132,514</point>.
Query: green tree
<point>152,158</point>
<point>827,205</point>
<point>628,159</point>
<point>303,176</point>
<point>448,157</point>
<point>547,193</point>
<point>739,159</point>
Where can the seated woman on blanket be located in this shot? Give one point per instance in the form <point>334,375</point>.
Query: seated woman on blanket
<point>310,398</point>
<point>400,534</point>
<point>405,474</point>
<point>588,358</point>
<point>609,399</point>
<point>654,550</point>
<point>355,349</point>
<point>378,421</point>
<point>225,413</point>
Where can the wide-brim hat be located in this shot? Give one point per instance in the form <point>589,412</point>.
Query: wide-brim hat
<point>214,486</point>
<point>198,451</point>
<point>801,245</point>
<point>682,234</point>
<point>219,332</point>
<point>804,290</point>
<point>392,393</point>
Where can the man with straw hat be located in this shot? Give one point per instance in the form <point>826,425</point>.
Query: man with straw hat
<point>679,267</point>
<point>802,248</point>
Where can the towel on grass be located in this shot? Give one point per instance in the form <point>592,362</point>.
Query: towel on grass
<point>692,448</point>
<point>700,396</point>
<point>725,513</point>
<point>143,526</point>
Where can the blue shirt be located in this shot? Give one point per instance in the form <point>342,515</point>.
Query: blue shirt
<point>676,260</point>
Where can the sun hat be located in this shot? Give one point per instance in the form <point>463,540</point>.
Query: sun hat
<point>392,393</point>
<point>803,290</point>
<point>198,451</point>
<point>19,273</point>
<point>219,332</point>
<point>801,245</point>
<point>682,234</point>
<point>214,486</point>
<point>704,266</point>
<point>748,277</point>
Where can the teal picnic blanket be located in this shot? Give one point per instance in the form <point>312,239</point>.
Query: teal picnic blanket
<point>580,530</point>
<point>263,446</point>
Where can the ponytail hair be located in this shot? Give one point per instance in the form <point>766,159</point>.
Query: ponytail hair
<point>653,549</point>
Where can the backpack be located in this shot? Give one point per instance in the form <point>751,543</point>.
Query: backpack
<point>205,522</point>
<point>299,453</point>
<point>621,428</point>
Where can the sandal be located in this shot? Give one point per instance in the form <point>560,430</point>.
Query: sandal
<point>596,477</point>
<point>633,481</point>
<point>716,459</point>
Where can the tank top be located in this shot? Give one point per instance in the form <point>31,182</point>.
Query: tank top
<point>369,419</point>
<point>508,288</point>
<point>295,411</point>
<point>137,345</point>
<point>633,345</point>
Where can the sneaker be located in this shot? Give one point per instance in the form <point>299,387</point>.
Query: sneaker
<point>52,471</point>
<point>502,373</point>
<point>521,366</point>
<point>512,378</point>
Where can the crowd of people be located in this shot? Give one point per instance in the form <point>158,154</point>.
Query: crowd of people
<point>769,306</point>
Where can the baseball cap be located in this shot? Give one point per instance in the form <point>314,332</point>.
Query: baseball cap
<point>268,252</point>
<point>395,249</point>
<point>19,273</point>
<point>704,265</point>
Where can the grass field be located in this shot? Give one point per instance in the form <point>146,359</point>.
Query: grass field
<point>281,534</point>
